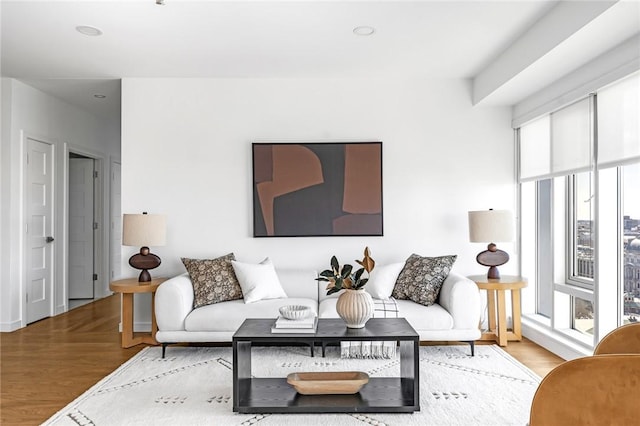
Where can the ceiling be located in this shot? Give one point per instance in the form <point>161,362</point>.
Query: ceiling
<point>286,39</point>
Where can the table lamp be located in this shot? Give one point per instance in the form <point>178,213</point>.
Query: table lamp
<point>144,230</point>
<point>491,226</point>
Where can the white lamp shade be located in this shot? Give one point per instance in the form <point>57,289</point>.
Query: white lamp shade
<point>490,226</point>
<point>144,230</point>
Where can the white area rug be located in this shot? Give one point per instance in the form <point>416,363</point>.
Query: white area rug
<point>193,386</point>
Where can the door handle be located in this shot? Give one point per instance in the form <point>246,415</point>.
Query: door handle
<point>49,239</point>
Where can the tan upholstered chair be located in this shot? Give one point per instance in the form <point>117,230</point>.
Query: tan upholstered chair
<point>595,390</point>
<point>622,340</point>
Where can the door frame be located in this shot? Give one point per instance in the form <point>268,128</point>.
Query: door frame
<point>100,286</point>
<point>73,156</point>
<point>24,144</point>
<point>115,233</point>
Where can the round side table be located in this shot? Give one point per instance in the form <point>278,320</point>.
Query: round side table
<point>496,288</point>
<point>128,287</point>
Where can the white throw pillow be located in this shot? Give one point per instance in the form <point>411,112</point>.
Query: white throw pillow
<point>258,281</point>
<point>382,280</point>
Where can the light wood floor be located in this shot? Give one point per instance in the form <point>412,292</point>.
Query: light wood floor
<point>46,365</point>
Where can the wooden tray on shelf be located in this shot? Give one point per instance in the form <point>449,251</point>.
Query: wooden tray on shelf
<point>329,382</point>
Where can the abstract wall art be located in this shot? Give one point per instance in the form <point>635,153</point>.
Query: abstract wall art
<point>317,189</point>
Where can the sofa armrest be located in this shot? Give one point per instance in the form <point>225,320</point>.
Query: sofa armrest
<point>461,298</point>
<point>173,302</point>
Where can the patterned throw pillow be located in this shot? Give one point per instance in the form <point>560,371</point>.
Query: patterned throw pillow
<point>213,280</point>
<point>422,277</point>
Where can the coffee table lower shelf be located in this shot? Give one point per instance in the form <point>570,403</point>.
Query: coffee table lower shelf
<point>275,395</point>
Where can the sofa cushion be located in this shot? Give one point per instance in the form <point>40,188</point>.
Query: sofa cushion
<point>228,316</point>
<point>421,317</point>
<point>258,281</point>
<point>433,317</point>
<point>213,280</point>
<point>383,279</point>
<point>421,278</point>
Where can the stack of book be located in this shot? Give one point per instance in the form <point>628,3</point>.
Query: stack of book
<point>304,325</point>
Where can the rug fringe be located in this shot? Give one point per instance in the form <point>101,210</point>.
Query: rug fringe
<point>368,349</point>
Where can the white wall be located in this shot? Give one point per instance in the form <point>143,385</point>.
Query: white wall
<point>32,112</point>
<point>5,191</point>
<point>186,153</point>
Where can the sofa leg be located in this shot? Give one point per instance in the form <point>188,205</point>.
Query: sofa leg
<point>164,348</point>
<point>313,349</point>
<point>472,344</point>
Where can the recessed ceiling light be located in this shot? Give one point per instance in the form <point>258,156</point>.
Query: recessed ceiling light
<point>364,30</point>
<point>88,30</point>
<point>99,96</point>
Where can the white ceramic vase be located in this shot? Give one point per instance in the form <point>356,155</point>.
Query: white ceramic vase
<point>355,307</point>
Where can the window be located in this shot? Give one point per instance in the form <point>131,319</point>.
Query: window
<point>580,214</point>
<point>561,171</point>
<point>544,252</point>
<point>619,157</point>
<point>582,315</point>
<point>630,175</point>
<point>581,249</point>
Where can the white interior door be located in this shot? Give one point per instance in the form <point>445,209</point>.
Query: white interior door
<point>39,229</point>
<point>116,222</point>
<point>81,232</point>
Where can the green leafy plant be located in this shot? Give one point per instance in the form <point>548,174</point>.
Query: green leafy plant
<point>342,277</point>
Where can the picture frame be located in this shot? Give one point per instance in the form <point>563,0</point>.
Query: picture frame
<point>314,189</point>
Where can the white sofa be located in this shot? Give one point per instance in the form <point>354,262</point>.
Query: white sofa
<point>455,317</point>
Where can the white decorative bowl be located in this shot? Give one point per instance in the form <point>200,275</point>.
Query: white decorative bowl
<point>295,312</point>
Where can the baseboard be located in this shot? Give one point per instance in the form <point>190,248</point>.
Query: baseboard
<point>59,310</point>
<point>554,342</point>
<point>7,327</point>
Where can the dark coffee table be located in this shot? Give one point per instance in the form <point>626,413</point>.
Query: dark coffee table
<point>275,395</point>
